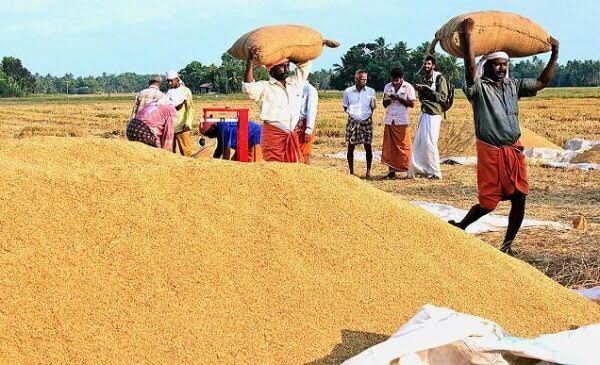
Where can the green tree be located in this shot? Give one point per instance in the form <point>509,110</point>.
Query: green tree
<point>321,79</point>
<point>193,75</point>
<point>8,86</point>
<point>14,69</point>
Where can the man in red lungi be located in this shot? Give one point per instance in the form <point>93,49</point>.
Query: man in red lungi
<point>279,100</point>
<point>501,170</point>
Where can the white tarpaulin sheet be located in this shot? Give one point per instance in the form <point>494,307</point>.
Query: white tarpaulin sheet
<point>540,155</point>
<point>591,293</point>
<point>488,223</point>
<point>362,156</point>
<point>560,159</point>
<point>441,336</point>
<point>358,155</point>
<point>458,160</point>
<point>580,144</point>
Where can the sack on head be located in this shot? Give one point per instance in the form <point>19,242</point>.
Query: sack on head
<point>294,42</point>
<point>494,31</point>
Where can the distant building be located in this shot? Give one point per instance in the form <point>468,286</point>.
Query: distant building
<point>205,88</point>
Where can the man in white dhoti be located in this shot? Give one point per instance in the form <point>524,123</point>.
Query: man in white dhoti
<point>433,91</point>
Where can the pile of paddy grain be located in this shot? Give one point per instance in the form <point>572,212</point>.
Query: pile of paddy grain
<point>113,251</point>
<point>590,156</point>
<point>530,139</point>
<point>460,141</point>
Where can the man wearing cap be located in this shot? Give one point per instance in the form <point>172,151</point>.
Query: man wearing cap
<point>226,134</point>
<point>306,125</point>
<point>279,100</point>
<point>148,95</point>
<point>181,98</point>
<point>501,170</point>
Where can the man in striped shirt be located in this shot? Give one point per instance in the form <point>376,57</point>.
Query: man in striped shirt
<point>146,96</point>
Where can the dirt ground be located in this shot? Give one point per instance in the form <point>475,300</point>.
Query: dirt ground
<point>572,257</point>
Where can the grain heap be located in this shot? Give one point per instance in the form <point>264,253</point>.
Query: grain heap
<point>462,143</point>
<point>530,139</point>
<point>92,271</point>
<point>590,156</point>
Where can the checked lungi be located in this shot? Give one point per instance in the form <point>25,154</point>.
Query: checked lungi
<point>359,131</point>
<point>139,131</point>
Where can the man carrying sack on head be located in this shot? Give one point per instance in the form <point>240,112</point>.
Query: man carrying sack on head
<point>279,100</point>
<point>501,170</point>
<point>181,98</point>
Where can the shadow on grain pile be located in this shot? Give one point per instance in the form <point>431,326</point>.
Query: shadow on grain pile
<point>112,250</point>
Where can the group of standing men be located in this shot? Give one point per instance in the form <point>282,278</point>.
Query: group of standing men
<point>420,158</point>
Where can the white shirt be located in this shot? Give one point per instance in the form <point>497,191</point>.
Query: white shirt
<point>396,113</point>
<point>279,105</point>
<point>358,104</point>
<point>310,100</point>
<point>175,96</point>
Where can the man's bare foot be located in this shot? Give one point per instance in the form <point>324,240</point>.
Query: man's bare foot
<point>390,176</point>
<point>455,224</point>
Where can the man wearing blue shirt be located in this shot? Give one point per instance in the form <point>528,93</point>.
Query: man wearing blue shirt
<point>226,134</point>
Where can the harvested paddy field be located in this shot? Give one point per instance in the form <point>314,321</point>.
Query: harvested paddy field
<point>114,250</point>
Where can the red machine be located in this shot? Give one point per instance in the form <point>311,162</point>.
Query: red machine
<point>241,117</point>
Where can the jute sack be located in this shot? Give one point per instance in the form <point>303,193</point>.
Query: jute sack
<point>494,31</point>
<point>294,42</point>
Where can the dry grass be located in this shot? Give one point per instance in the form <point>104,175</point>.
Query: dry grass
<point>556,194</point>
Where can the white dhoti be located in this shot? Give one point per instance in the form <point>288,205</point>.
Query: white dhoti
<point>425,158</point>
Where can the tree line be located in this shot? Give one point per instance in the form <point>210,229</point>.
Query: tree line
<point>377,57</point>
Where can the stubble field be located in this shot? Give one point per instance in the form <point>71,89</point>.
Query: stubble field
<point>571,257</point>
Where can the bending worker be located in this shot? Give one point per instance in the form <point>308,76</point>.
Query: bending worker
<point>154,126</point>
<point>501,171</point>
<point>226,134</point>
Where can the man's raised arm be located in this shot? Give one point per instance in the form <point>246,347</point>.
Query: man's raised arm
<point>467,48</point>
<point>548,74</point>
<point>249,74</point>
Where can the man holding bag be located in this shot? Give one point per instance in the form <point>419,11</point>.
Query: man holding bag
<point>494,96</point>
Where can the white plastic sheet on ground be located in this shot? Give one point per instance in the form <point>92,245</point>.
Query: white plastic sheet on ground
<point>459,160</point>
<point>560,159</point>
<point>488,223</point>
<point>538,155</point>
<point>441,336</point>
<point>358,155</point>
<point>591,293</point>
<point>580,144</point>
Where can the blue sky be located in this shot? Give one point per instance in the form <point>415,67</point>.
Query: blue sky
<point>91,37</point>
